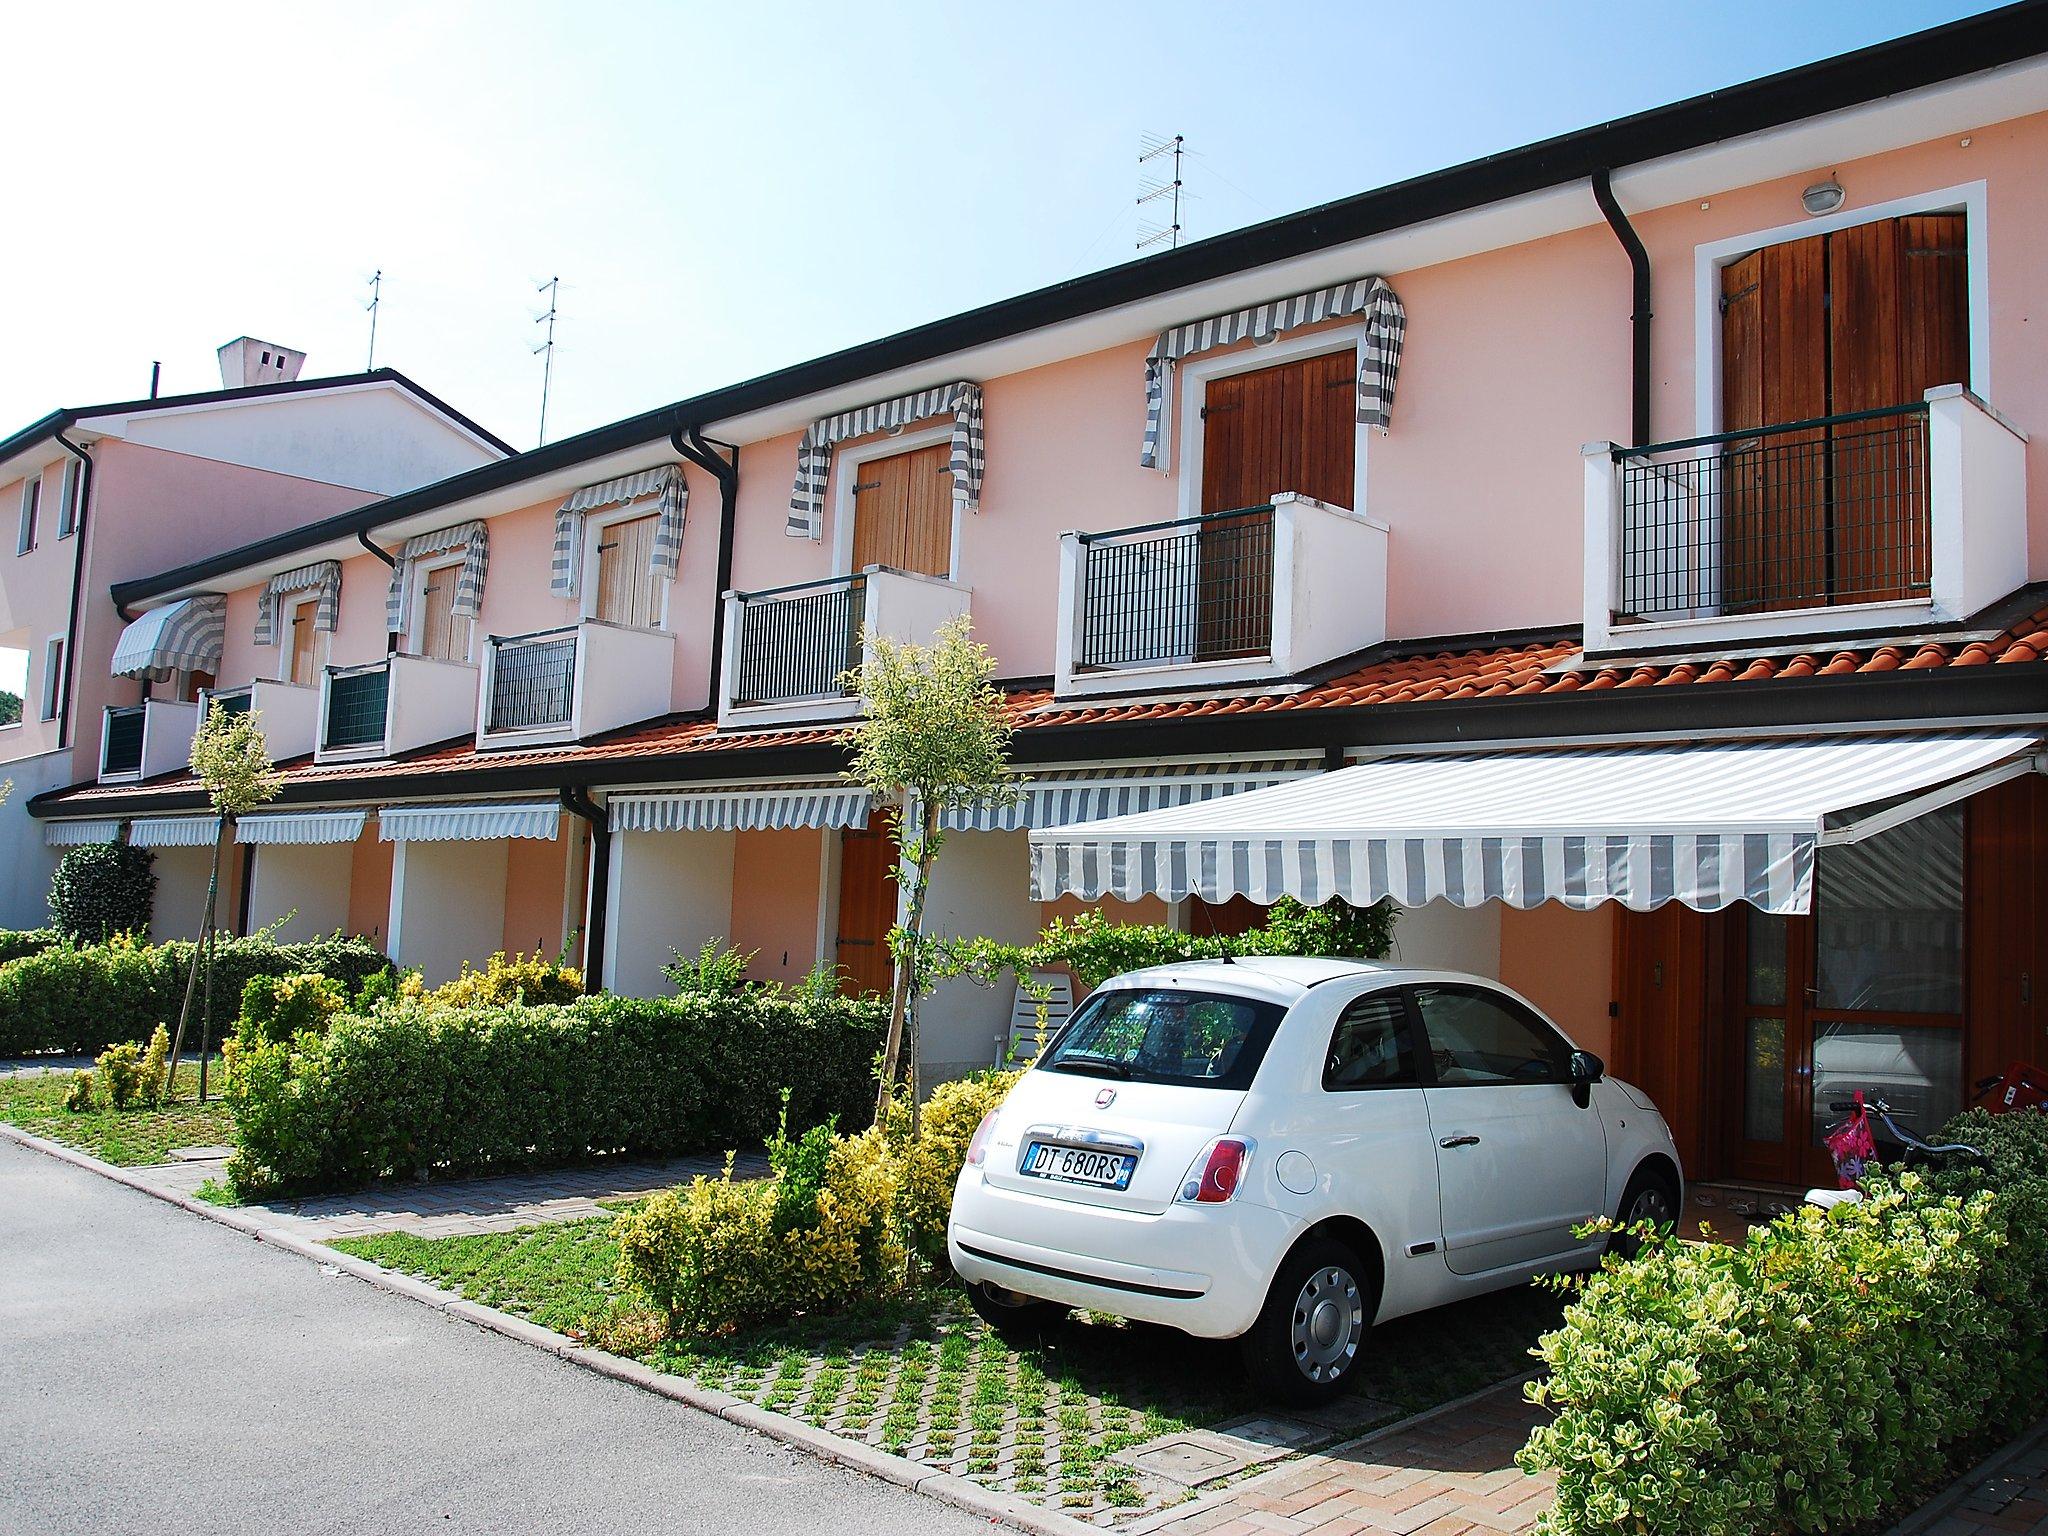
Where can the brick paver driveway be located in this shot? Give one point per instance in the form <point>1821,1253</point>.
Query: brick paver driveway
<point>1451,1473</point>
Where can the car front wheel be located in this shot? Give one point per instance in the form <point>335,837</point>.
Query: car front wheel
<point>1650,1197</point>
<point>1305,1345</point>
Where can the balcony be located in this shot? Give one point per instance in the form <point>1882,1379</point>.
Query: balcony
<point>786,648</point>
<point>288,713</point>
<point>576,681</point>
<point>396,705</point>
<point>1228,597</point>
<point>1870,520</point>
<point>141,741</point>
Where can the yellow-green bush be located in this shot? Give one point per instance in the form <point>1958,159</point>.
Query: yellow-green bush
<point>129,1080</point>
<point>275,1008</point>
<point>519,978</point>
<point>720,1251</point>
<point>931,1164</point>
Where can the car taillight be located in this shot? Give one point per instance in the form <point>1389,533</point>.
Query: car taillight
<point>977,1149</point>
<point>1215,1175</point>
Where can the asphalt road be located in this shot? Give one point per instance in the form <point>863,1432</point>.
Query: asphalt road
<point>160,1373</point>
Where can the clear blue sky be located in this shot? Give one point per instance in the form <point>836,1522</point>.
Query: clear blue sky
<point>724,188</point>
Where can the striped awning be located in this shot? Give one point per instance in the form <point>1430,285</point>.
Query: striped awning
<point>1379,354</point>
<point>322,579</point>
<point>1705,824</point>
<point>665,481</point>
<point>72,834</point>
<point>961,400</point>
<point>473,538</point>
<point>174,831</point>
<point>185,636</point>
<point>742,808</point>
<point>468,823</point>
<point>1055,800</point>
<point>301,827</point>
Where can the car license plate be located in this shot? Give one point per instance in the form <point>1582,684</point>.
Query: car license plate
<point>1078,1165</point>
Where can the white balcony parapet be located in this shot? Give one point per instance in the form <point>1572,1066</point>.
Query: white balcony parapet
<point>1854,523</point>
<point>141,741</point>
<point>399,704</point>
<point>1227,598</point>
<point>575,681</point>
<point>786,648</point>
<point>287,713</point>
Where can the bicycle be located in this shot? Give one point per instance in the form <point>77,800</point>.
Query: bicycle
<point>1853,1145</point>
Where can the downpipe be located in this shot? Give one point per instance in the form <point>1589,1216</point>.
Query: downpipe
<point>1639,311</point>
<point>722,462</point>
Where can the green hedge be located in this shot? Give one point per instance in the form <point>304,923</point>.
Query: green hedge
<point>1821,1376</point>
<point>16,942</point>
<point>83,999</point>
<point>410,1090</point>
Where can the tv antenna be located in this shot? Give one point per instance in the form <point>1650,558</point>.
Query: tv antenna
<point>376,298</point>
<point>552,288</point>
<point>1151,189</point>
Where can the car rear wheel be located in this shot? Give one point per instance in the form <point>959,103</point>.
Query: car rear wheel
<point>1651,1197</point>
<point>1305,1345</point>
<point>1016,1318</point>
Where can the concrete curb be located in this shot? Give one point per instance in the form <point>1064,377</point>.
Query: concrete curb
<point>949,1488</point>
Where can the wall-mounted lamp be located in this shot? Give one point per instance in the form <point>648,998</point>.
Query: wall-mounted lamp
<point>1822,197</point>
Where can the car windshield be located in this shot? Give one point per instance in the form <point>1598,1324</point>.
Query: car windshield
<point>1189,1039</point>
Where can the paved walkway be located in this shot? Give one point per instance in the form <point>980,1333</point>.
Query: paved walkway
<point>461,1207</point>
<point>1450,1474</point>
<point>2006,1495</point>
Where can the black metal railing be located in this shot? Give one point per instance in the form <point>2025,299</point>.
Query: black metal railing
<point>533,680</point>
<point>798,642</point>
<point>1807,514</point>
<point>357,698</point>
<point>1196,589</point>
<point>233,704</point>
<point>122,751</point>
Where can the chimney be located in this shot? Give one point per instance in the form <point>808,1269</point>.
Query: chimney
<point>246,361</point>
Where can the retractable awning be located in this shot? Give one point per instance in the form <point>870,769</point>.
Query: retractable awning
<point>178,637</point>
<point>301,828</point>
<point>174,831</point>
<point>71,834</point>
<point>743,808</point>
<point>1706,824</point>
<point>468,823</point>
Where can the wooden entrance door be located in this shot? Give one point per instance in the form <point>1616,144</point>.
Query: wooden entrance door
<point>1862,319</point>
<point>626,590</point>
<point>1285,428</point>
<point>867,909</point>
<point>442,635</point>
<point>903,511</point>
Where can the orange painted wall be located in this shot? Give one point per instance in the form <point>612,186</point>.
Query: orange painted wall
<point>534,871</point>
<point>1562,960</point>
<point>775,901</point>
<point>369,887</point>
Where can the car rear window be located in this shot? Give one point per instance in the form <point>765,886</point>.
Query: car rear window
<point>1157,1035</point>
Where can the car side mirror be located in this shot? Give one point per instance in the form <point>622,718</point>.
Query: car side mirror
<point>1586,1070</point>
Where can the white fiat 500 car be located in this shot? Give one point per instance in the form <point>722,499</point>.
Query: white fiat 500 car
<point>1285,1151</point>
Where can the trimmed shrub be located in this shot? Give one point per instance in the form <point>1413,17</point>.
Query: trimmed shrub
<point>1815,1378</point>
<point>411,1090</point>
<point>519,979</point>
<point>83,999</point>
<point>103,889</point>
<point>931,1165</point>
<point>17,942</point>
<point>811,1237</point>
<point>275,1008</point>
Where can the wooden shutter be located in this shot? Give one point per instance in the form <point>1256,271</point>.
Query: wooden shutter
<point>1292,427</point>
<point>867,910</point>
<point>305,644</point>
<point>625,589</point>
<point>442,634</point>
<point>903,511</point>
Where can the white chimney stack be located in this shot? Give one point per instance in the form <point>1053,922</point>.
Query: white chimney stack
<point>246,361</point>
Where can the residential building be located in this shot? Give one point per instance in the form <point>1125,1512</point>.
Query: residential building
<point>112,492</point>
<point>1648,514</point>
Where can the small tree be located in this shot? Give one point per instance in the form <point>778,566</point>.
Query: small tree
<point>934,738</point>
<point>231,758</point>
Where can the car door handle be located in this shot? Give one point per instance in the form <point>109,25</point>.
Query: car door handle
<point>1459,1141</point>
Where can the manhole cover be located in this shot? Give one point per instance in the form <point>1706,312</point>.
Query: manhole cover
<point>1184,1462</point>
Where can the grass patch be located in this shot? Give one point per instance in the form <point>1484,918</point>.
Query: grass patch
<point>126,1137</point>
<point>921,1377</point>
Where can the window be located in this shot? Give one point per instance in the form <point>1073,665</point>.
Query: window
<point>13,683</point>
<point>1482,1037</point>
<point>67,498</point>
<point>1370,1047</point>
<point>1186,1039</point>
<point>53,676</point>
<point>31,503</point>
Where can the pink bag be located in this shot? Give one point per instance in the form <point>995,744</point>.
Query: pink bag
<point>1852,1146</point>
